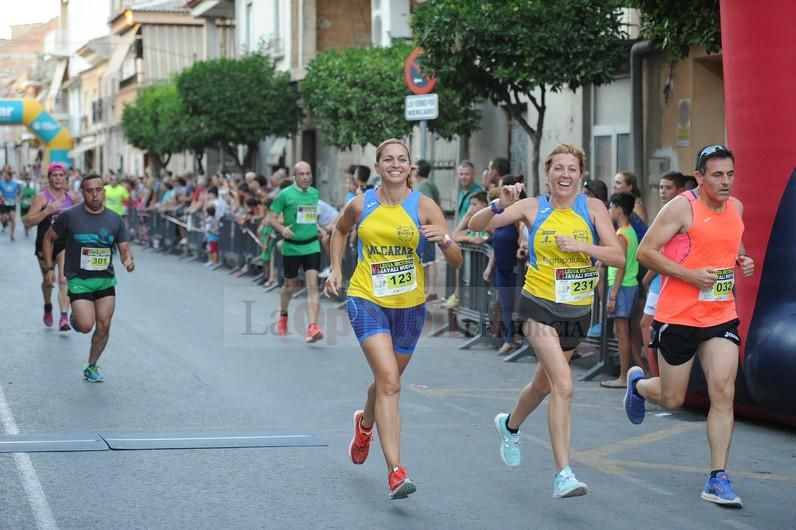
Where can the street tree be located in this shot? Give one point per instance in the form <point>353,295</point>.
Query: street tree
<point>357,97</point>
<point>679,24</point>
<point>240,102</point>
<point>517,51</point>
<point>151,122</point>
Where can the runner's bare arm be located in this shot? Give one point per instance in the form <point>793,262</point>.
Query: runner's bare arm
<point>39,209</point>
<point>515,210</point>
<point>673,218</point>
<point>346,221</point>
<point>47,247</point>
<point>126,255</point>
<point>435,230</point>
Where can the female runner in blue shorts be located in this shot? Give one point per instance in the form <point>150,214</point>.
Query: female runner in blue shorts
<point>386,301</point>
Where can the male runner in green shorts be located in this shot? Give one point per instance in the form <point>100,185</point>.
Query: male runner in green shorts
<point>90,232</point>
<point>26,200</point>
<point>298,206</point>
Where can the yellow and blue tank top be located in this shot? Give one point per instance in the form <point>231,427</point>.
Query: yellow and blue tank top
<point>389,246</point>
<point>552,274</point>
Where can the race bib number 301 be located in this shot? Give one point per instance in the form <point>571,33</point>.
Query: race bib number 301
<point>574,284</point>
<point>95,259</point>
<point>393,277</point>
<point>722,289</point>
<point>307,214</point>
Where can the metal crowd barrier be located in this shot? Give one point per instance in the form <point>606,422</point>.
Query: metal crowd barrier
<point>476,297</point>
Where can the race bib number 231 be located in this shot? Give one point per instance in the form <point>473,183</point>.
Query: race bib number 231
<point>574,284</point>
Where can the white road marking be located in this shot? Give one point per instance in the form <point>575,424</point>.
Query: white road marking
<point>45,520</point>
<point>207,438</point>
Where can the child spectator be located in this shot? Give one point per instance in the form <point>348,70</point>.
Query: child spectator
<point>623,286</point>
<point>462,234</point>
<point>212,231</point>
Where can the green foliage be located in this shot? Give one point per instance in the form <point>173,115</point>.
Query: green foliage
<point>504,46</point>
<point>357,97</point>
<point>680,24</point>
<point>239,101</point>
<point>514,51</point>
<point>151,121</point>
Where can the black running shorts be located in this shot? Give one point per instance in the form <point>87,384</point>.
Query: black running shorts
<point>678,344</point>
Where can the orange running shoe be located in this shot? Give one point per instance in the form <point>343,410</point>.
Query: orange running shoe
<point>360,443</point>
<point>281,326</point>
<point>401,486</point>
<point>314,333</point>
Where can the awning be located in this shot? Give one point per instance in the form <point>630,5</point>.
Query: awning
<point>85,146</point>
<point>120,46</point>
<point>276,151</point>
<point>214,9</point>
<point>58,79</point>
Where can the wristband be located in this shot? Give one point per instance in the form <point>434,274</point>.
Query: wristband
<point>47,269</point>
<point>446,242</point>
<point>495,208</point>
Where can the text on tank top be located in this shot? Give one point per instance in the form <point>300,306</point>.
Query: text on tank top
<point>552,274</point>
<point>389,246</point>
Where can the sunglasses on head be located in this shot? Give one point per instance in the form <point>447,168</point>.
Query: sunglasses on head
<point>709,151</point>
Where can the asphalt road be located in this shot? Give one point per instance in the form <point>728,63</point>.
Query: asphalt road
<point>193,350</point>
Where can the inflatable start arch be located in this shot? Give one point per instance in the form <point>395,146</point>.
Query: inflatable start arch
<point>30,113</point>
<point>759,80</point>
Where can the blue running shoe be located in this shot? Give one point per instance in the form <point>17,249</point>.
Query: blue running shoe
<point>567,485</point>
<point>510,446</point>
<point>634,403</point>
<point>92,374</point>
<point>719,490</point>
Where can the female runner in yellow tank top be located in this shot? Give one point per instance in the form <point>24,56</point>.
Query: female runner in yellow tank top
<point>386,300</point>
<point>567,233</point>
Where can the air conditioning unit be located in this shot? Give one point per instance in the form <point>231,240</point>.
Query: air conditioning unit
<point>389,20</point>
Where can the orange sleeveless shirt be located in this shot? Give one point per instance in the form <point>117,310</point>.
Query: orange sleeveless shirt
<point>713,240</point>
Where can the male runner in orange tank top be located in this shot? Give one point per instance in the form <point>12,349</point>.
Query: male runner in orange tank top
<point>696,309</point>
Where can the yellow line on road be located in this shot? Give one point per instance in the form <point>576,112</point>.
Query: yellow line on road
<point>703,470</point>
<point>646,439</point>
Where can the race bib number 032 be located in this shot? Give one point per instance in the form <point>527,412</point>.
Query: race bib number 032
<point>95,259</point>
<point>393,277</point>
<point>574,284</point>
<point>722,289</point>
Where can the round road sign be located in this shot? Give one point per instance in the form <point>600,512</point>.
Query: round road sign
<point>417,81</point>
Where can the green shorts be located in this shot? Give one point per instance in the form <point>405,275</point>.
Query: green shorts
<point>91,288</point>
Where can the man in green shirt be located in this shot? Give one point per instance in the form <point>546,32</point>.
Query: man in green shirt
<point>298,207</point>
<point>467,188</point>
<point>116,195</point>
<point>26,200</point>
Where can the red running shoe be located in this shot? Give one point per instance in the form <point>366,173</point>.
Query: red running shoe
<point>314,333</point>
<point>360,443</point>
<point>401,486</point>
<point>48,316</point>
<point>63,324</point>
<point>281,326</point>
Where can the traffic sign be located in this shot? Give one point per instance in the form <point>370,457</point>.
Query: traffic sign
<point>417,81</point>
<point>423,107</point>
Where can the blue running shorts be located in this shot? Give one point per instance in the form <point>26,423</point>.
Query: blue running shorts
<point>404,325</point>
